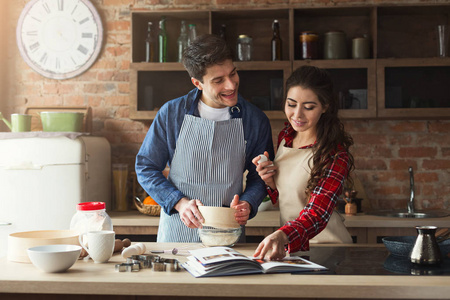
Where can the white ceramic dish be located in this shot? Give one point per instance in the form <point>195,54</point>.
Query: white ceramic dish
<point>218,217</point>
<point>19,242</point>
<point>54,258</point>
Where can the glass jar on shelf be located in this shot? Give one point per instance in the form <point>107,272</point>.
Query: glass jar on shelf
<point>309,45</point>
<point>244,47</point>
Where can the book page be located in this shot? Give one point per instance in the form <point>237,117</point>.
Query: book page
<point>289,264</point>
<point>213,255</point>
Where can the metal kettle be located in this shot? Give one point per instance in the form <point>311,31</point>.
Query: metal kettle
<point>426,249</point>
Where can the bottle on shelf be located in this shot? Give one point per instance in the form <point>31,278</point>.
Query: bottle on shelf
<point>222,33</point>
<point>162,40</point>
<point>276,41</point>
<point>192,33</point>
<point>182,41</point>
<point>149,45</point>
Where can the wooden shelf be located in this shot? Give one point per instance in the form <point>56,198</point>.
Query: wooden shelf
<point>400,37</point>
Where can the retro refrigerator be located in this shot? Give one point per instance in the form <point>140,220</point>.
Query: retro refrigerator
<point>43,178</point>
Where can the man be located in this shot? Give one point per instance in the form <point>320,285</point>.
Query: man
<point>208,138</point>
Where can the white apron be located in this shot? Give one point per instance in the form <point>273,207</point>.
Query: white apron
<point>291,179</point>
<point>208,165</point>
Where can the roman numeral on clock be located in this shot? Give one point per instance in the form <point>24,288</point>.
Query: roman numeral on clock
<point>82,49</point>
<point>34,47</point>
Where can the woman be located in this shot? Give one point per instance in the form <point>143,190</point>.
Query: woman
<point>310,167</point>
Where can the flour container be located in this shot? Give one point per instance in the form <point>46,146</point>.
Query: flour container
<point>91,216</point>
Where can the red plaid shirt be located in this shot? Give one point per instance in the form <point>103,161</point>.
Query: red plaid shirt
<point>314,217</point>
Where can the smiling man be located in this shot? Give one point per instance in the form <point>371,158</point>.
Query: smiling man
<point>208,138</point>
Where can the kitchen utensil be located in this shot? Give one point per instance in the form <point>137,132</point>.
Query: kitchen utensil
<point>19,242</point>
<point>54,258</point>
<point>219,236</point>
<point>62,121</point>
<point>174,251</point>
<point>426,250</point>
<point>218,217</point>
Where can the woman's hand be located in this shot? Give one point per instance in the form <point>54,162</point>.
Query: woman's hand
<point>266,170</point>
<point>242,210</point>
<point>276,242</point>
<point>189,213</point>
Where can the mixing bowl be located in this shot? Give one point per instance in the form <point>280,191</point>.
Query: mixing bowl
<point>219,236</point>
<point>19,242</point>
<point>54,258</point>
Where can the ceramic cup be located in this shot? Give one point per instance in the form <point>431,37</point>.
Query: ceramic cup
<point>100,244</point>
<point>20,123</point>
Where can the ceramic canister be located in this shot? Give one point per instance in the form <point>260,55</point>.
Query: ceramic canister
<point>360,48</point>
<point>335,45</point>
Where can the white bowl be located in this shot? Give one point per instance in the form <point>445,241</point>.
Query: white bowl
<point>219,236</point>
<point>19,242</point>
<point>54,258</point>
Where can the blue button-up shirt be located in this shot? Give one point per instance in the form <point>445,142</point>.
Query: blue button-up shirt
<point>159,145</point>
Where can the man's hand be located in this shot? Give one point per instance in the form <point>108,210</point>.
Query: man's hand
<point>242,210</point>
<point>189,213</point>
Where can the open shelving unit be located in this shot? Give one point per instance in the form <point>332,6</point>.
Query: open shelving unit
<point>403,78</point>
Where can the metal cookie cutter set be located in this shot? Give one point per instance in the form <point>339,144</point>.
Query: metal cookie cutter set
<point>135,263</point>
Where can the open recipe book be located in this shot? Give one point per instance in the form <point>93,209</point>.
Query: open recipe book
<point>222,261</point>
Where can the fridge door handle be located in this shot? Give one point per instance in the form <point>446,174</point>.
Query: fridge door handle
<point>25,165</point>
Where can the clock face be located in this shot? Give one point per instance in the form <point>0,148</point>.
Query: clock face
<point>59,39</point>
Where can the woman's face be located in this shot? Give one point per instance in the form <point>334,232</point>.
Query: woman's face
<point>303,109</point>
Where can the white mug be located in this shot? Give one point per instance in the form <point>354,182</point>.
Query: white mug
<point>100,244</point>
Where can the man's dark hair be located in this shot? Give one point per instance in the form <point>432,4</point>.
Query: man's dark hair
<point>203,52</point>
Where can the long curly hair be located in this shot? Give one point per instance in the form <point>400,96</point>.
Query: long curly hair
<point>331,136</point>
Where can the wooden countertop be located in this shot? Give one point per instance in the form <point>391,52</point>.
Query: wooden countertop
<point>101,279</point>
<point>271,219</point>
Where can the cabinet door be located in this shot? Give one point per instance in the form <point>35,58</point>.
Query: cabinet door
<point>414,87</point>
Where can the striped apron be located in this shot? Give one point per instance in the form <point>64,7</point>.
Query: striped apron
<point>208,165</point>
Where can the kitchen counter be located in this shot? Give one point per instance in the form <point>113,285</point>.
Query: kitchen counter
<point>365,228</point>
<point>18,280</point>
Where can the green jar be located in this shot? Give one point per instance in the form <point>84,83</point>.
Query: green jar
<point>335,45</point>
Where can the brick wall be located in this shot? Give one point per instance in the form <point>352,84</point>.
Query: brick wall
<point>383,149</point>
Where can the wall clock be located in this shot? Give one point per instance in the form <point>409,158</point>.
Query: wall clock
<point>59,39</point>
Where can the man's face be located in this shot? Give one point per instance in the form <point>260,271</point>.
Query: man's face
<point>220,85</point>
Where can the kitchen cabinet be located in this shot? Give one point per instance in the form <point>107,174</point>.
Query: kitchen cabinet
<point>402,78</point>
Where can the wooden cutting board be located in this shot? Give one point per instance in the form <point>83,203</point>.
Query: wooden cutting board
<point>36,124</point>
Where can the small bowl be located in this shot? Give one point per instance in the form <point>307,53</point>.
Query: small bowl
<point>219,236</point>
<point>54,258</point>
